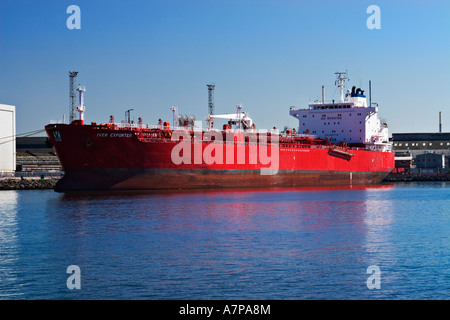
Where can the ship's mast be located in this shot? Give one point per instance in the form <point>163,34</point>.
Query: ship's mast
<point>72,94</point>
<point>81,108</point>
<point>211,104</point>
<point>238,114</point>
<point>175,116</point>
<point>341,77</point>
<point>210,98</point>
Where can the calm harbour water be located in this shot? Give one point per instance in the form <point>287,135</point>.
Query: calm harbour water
<point>265,244</point>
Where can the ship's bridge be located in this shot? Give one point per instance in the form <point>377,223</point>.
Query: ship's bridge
<point>350,120</point>
<point>353,98</point>
<point>322,106</point>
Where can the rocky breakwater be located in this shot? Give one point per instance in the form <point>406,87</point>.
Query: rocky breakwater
<point>26,184</point>
<point>413,177</point>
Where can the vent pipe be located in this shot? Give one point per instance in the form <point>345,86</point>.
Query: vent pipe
<point>323,94</point>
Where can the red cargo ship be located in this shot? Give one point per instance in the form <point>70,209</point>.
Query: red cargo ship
<point>336,144</point>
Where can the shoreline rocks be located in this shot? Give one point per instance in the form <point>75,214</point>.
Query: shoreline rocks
<point>414,177</point>
<point>27,184</point>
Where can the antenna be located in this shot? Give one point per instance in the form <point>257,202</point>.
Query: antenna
<point>211,98</point>
<point>72,95</point>
<point>341,77</point>
<point>128,115</point>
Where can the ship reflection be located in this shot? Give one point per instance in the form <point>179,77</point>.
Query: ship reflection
<point>219,243</point>
<point>130,193</point>
<point>305,220</point>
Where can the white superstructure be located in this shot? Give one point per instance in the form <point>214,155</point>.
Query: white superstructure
<point>240,119</point>
<point>7,140</point>
<point>348,121</point>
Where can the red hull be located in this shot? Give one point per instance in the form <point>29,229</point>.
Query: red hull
<point>101,157</point>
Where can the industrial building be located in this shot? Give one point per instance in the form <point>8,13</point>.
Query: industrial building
<point>7,140</point>
<point>36,155</point>
<point>428,152</point>
<point>432,162</point>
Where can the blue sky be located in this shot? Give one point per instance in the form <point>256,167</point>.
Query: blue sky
<point>264,54</point>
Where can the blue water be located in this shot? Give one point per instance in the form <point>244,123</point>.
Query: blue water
<point>269,244</point>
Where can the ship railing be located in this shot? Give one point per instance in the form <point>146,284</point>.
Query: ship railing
<point>280,144</point>
<point>136,126</point>
<point>383,147</point>
<point>204,130</point>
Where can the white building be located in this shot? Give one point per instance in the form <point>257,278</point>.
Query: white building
<point>7,140</point>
